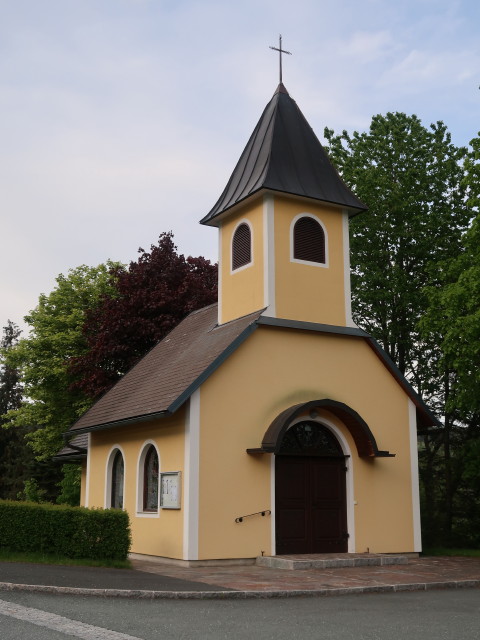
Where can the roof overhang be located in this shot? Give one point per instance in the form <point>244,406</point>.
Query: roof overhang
<point>249,199</point>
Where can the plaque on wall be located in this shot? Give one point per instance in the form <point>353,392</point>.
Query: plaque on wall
<point>170,489</point>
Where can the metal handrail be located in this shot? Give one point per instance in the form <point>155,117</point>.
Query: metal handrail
<point>265,512</point>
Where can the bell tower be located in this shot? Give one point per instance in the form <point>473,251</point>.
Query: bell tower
<point>283,225</point>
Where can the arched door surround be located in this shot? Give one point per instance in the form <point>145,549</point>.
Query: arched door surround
<point>362,435</point>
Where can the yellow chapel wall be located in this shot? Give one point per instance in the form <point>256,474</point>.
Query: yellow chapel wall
<point>152,534</point>
<point>310,292</point>
<point>291,289</point>
<point>273,370</point>
<point>241,291</point>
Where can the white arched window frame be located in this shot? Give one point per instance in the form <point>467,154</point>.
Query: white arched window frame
<point>247,264</point>
<point>109,481</point>
<point>142,459</point>
<point>292,241</point>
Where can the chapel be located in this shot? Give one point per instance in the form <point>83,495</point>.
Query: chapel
<point>269,423</point>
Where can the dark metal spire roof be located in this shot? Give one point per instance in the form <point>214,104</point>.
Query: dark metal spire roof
<point>284,154</point>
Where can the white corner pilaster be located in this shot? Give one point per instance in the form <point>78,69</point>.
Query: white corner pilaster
<point>220,301</point>
<point>273,542</point>
<point>269,256</point>
<point>191,478</point>
<point>346,271</point>
<point>87,473</point>
<point>417,530</point>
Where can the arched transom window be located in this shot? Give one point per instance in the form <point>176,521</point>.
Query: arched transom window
<point>116,497</point>
<point>309,438</point>
<point>241,246</point>
<point>150,480</point>
<point>308,240</point>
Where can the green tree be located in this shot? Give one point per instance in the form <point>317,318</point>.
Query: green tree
<point>457,302</point>
<point>453,320</point>
<point>15,458</point>
<point>412,180</point>
<point>42,358</point>
<point>70,485</point>
<point>410,177</point>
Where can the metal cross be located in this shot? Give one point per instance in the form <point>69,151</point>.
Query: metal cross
<point>280,51</point>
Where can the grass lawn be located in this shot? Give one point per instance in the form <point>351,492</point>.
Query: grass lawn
<point>45,558</point>
<point>442,551</point>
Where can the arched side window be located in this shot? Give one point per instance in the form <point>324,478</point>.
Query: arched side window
<point>150,479</point>
<point>309,240</point>
<point>117,481</point>
<point>241,246</point>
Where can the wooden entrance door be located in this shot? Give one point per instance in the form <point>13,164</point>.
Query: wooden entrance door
<point>310,504</point>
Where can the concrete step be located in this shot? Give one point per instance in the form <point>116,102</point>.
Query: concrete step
<point>331,560</point>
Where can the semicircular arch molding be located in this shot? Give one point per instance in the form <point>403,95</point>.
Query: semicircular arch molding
<point>361,433</point>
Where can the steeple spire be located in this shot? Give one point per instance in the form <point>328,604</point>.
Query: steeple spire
<point>284,155</point>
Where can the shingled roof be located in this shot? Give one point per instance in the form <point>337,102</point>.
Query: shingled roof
<point>284,155</point>
<point>163,379</point>
<point>166,377</point>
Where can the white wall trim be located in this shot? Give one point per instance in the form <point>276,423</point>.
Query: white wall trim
<point>273,542</point>
<point>346,270</point>
<point>220,278</point>
<point>191,478</point>
<point>269,300</point>
<point>417,529</point>
<point>87,473</point>
<point>322,265</point>
<point>350,497</point>
<point>252,257</point>
<point>140,513</point>
<point>107,499</point>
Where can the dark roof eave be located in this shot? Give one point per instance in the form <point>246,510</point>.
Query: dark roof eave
<point>67,457</point>
<point>213,221</point>
<point>121,423</point>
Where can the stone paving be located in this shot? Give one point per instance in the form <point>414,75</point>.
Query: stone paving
<point>154,579</point>
<point>418,573</point>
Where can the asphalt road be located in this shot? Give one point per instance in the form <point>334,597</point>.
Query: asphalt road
<point>439,615</point>
<point>96,578</point>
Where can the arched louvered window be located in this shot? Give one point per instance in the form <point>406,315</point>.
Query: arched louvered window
<point>150,480</point>
<point>116,497</point>
<point>241,246</point>
<point>308,240</point>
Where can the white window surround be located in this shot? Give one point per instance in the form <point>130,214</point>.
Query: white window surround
<point>140,513</point>
<point>249,264</point>
<point>348,475</point>
<point>108,475</point>
<point>323,265</point>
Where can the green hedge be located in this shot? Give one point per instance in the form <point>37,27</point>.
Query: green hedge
<point>74,532</point>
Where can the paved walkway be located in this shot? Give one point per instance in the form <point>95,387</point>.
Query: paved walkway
<point>152,579</point>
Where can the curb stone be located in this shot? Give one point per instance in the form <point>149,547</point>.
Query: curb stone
<point>250,595</point>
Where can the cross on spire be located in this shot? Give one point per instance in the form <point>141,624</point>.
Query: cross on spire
<point>280,51</point>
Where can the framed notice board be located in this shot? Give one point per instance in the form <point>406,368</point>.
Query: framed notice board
<point>170,489</point>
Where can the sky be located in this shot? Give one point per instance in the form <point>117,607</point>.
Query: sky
<point>122,119</point>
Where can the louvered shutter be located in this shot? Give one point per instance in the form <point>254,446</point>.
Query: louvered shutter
<point>241,246</point>
<point>308,241</point>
